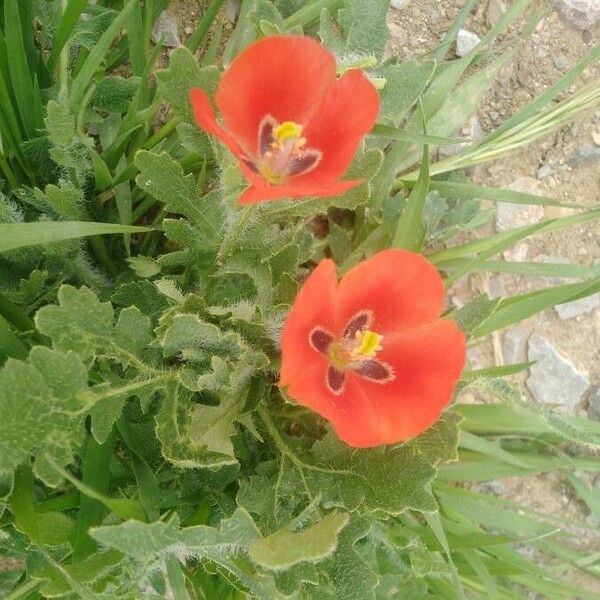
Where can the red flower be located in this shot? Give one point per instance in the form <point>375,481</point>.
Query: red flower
<point>291,124</point>
<point>370,354</point>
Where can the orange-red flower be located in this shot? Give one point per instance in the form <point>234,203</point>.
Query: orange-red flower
<point>293,126</point>
<point>370,353</point>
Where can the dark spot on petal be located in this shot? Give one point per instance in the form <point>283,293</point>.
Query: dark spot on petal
<point>335,380</point>
<point>375,370</point>
<point>320,339</point>
<point>265,134</point>
<point>304,162</point>
<point>361,320</point>
<point>251,165</point>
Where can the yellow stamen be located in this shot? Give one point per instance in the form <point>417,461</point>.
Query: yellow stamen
<point>286,131</point>
<point>369,344</point>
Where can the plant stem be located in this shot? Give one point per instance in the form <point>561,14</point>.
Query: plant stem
<point>204,25</point>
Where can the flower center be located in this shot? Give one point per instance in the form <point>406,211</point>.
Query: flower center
<point>281,152</point>
<point>349,351</point>
<point>354,352</point>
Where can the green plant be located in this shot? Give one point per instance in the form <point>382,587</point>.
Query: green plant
<point>146,450</point>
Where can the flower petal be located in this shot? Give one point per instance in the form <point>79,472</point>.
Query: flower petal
<point>345,117</point>
<point>205,117</point>
<point>286,77</point>
<point>263,193</point>
<point>400,288</point>
<point>427,362</point>
<point>313,308</point>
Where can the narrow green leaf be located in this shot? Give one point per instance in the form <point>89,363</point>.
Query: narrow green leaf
<point>409,234</point>
<point>67,22</point>
<point>406,135</point>
<point>19,235</point>
<point>515,309</point>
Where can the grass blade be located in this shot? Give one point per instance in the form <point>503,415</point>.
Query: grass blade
<point>19,235</point>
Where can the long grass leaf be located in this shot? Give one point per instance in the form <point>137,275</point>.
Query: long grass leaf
<point>19,235</point>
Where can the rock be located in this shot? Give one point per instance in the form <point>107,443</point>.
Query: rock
<point>166,29</point>
<point>496,287</point>
<point>494,11</point>
<point>582,14</point>
<point>596,137</point>
<point>561,62</point>
<point>511,215</point>
<point>465,42</point>
<point>517,253</point>
<point>477,357</point>
<point>554,379</point>
<point>545,171</point>
<point>513,345</point>
<point>583,155</point>
<point>593,411</point>
<point>492,487</point>
<point>399,4</point>
<point>584,306</point>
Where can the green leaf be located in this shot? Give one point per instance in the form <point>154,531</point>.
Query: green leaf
<point>183,74</point>
<point>517,308</point>
<point>409,233</point>
<point>476,312</point>
<point>440,442</point>
<point>20,235</point>
<point>360,478</point>
<point>114,94</point>
<point>162,177</point>
<point>148,542</point>
<point>49,422</point>
<point>405,83</point>
<point>286,547</point>
<point>364,22</point>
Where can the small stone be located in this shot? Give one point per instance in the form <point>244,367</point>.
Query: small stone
<point>399,4</point>
<point>583,155</point>
<point>584,306</point>
<point>545,171</point>
<point>188,30</point>
<point>492,487</point>
<point>496,287</point>
<point>165,28</point>
<point>561,62</point>
<point>472,130</point>
<point>511,215</point>
<point>554,379</point>
<point>494,11</point>
<point>466,41</point>
<point>513,345</point>
<point>593,410</point>
<point>596,137</point>
<point>477,357</point>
